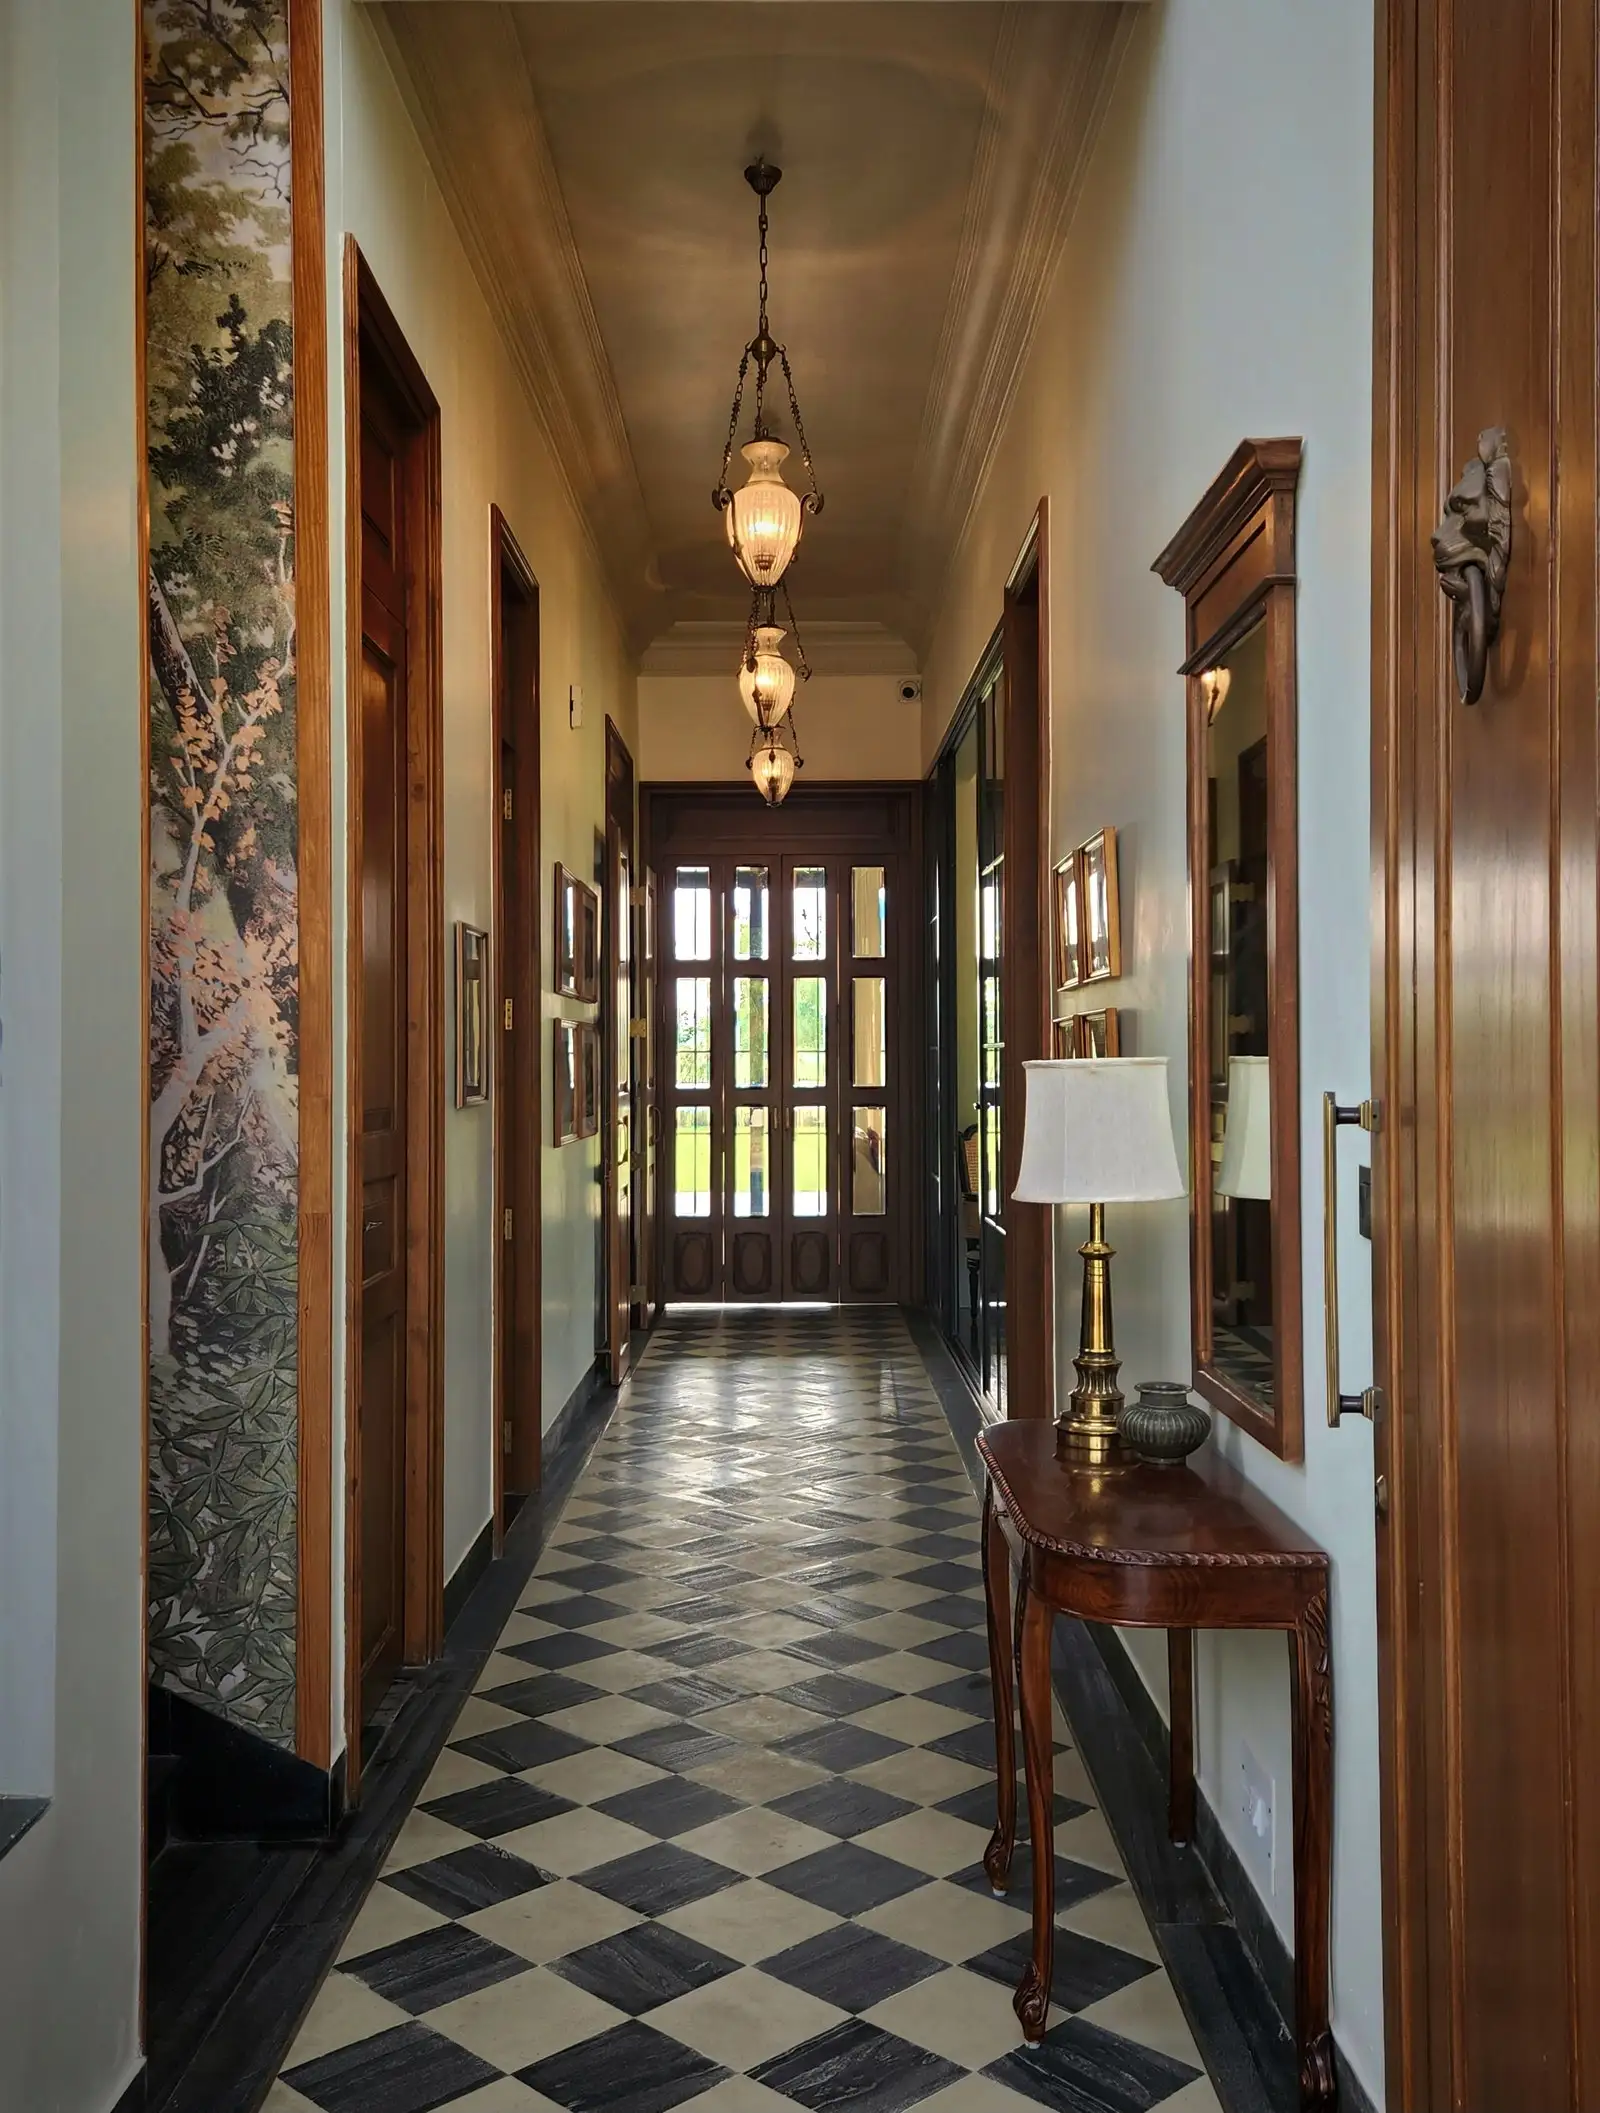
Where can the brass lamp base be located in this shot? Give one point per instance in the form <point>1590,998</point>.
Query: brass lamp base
<point>1087,1433</point>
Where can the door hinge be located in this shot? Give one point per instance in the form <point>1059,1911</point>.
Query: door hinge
<point>636,898</point>
<point>639,1029</point>
<point>505,804</point>
<point>505,1224</point>
<point>638,1293</point>
<point>508,1014</point>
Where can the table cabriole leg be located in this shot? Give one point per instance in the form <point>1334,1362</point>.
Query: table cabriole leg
<point>1180,1767</point>
<point>1032,2000</point>
<point>997,1599</point>
<point>1312,1666</point>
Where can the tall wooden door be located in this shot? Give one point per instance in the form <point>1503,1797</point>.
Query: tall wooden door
<point>1489,1145</point>
<point>380,1418</point>
<point>617,1040</point>
<point>646,939</point>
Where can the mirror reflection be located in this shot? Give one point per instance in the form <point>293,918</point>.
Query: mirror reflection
<point>1235,694</point>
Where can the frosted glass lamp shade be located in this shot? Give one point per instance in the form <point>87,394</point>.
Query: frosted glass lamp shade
<point>772,767</point>
<point>1247,1140</point>
<point>1097,1130</point>
<point>768,688</point>
<point>765,518</point>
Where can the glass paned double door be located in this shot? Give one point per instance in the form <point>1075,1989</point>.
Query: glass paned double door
<point>779,1098</point>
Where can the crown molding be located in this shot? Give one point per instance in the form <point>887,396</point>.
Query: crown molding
<point>1053,73</point>
<point>472,100</point>
<point>714,648</point>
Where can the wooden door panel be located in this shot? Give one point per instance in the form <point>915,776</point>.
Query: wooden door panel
<point>1488,1050</point>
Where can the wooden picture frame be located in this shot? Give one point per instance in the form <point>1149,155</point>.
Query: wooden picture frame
<point>563,1081</point>
<point>588,934</point>
<point>587,1078</point>
<point>564,933</point>
<point>1064,1038</point>
<point>1233,561</point>
<point>1066,922</point>
<point>1100,919</point>
<point>1100,1033</point>
<point>472,1016</point>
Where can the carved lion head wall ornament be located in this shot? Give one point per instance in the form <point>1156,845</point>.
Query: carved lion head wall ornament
<point>1471,554</point>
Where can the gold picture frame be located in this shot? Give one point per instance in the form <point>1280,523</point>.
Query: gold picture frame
<point>563,1081</point>
<point>1101,912</point>
<point>1067,922</point>
<point>587,1078</point>
<point>564,933</point>
<point>1100,1033</point>
<point>472,1016</point>
<point>1064,1038</point>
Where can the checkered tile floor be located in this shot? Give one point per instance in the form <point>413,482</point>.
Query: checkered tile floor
<point>711,1826</point>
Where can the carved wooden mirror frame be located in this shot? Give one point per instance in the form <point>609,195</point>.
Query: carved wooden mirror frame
<point>1233,562</point>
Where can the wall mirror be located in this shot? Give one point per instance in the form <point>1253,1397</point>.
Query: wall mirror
<point>1233,562</point>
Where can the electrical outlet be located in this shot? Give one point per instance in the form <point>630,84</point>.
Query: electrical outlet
<point>1258,1811</point>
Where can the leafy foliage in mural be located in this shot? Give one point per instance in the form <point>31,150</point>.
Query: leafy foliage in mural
<point>223,904</point>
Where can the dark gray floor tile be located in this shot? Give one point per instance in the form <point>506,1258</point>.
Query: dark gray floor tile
<point>655,1881</point>
<point>1081,2068</point>
<point>840,1746</point>
<point>1073,1881</point>
<point>836,1694</point>
<point>1083,1971</point>
<point>668,1807</point>
<point>676,1746</point>
<point>514,1747</point>
<point>644,1966</point>
<point>496,1808</point>
<point>585,1610</point>
<point>969,1691</point>
<point>977,1805</point>
<point>406,2070</point>
<point>632,2067</point>
<point>965,1648</point>
<point>468,1879</point>
<point>554,1652</point>
<point>846,1879</point>
<point>837,1647</point>
<point>687,1696</point>
<point>859,2067</point>
<point>852,1967</point>
<point>956,1610</point>
<point>697,1649</point>
<point>841,1806</point>
<point>542,1694</point>
<point>419,1973</point>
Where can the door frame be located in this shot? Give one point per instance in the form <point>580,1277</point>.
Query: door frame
<point>516,1073</point>
<point>371,333</point>
<point>617,906</point>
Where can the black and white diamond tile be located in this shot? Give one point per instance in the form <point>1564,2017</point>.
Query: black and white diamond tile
<point>710,1828</point>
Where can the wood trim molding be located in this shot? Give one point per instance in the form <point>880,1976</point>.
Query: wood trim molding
<point>368,315</point>
<point>1233,562</point>
<point>314,1702</point>
<point>141,414</point>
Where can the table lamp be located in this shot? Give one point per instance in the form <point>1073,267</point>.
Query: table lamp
<point>1246,1168</point>
<point>1096,1130</point>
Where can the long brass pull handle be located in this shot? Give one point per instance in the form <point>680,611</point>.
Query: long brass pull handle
<point>1363,1115</point>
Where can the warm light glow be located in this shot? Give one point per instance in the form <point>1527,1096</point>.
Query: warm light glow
<point>772,767</point>
<point>1215,684</point>
<point>768,689</point>
<point>765,518</point>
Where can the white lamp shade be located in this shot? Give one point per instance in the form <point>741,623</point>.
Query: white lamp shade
<point>1097,1130</point>
<point>1247,1140</point>
<point>772,767</point>
<point>768,688</point>
<point>765,519</point>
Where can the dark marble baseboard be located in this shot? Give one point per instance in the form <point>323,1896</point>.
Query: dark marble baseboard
<point>238,2048</point>
<point>463,1580</point>
<point>136,2097</point>
<point>17,1815</point>
<point>228,1784</point>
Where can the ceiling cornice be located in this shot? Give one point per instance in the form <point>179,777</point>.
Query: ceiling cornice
<point>1053,73</point>
<point>713,648</point>
<point>497,177</point>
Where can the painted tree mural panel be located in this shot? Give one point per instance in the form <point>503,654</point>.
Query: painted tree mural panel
<point>223,939</point>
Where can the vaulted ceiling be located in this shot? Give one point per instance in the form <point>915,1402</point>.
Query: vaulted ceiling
<point>592,153</point>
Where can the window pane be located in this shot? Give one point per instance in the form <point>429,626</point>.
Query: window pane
<point>990,1030</point>
<point>868,1176</point>
<point>810,1162</point>
<point>810,1031</point>
<point>691,913</point>
<point>991,1161</point>
<point>869,912</point>
<point>990,913</point>
<point>810,913</point>
<point>752,1163</point>
<point>750,913</point>
<point>871,1032</point>
<point>692,1164</point>
<point>694,1030</point>
<point>749,1030</point>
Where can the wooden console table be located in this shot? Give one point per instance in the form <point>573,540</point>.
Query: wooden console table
<point>1174,1548</point>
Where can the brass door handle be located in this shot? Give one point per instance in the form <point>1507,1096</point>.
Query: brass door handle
<point>1363,1115</point>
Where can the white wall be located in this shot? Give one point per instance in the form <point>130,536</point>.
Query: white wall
<point>381,189</point>
<point>71,1078</point>
<point>695,727</point>
<point>1216,284</point>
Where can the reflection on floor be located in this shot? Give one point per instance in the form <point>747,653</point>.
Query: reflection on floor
<point>711,1826</point>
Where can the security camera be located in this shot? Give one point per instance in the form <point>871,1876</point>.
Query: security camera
<point>910,690</point>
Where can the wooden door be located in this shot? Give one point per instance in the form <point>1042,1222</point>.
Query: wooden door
<point>646,939</point>
<point>517,1084</point>
<point>1488,1225</point>
<point>808,1085</point>
<point>616,1023</point>
<point>380,1409</point>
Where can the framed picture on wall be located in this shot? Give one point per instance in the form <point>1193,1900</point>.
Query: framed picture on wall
<point>1064,1037</point>
<point>587,1080</point>
<point>1067,923</point>
<point>1102,923</point>
<point>472,1016</point>
<point>1100,1033</point>
<point>564,933</point>
<point>588,953</point>
<point>564,1080</point>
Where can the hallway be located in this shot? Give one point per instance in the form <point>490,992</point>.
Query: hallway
<point>711,1825</point>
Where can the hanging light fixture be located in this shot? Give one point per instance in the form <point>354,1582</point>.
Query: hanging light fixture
<point>772,763</point>
<point>768,687</point>
<point>764,517</point>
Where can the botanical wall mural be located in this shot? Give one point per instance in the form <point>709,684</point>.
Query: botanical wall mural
<point>223,901</point>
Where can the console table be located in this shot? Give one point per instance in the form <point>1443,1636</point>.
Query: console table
<point>1174,1548</point>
